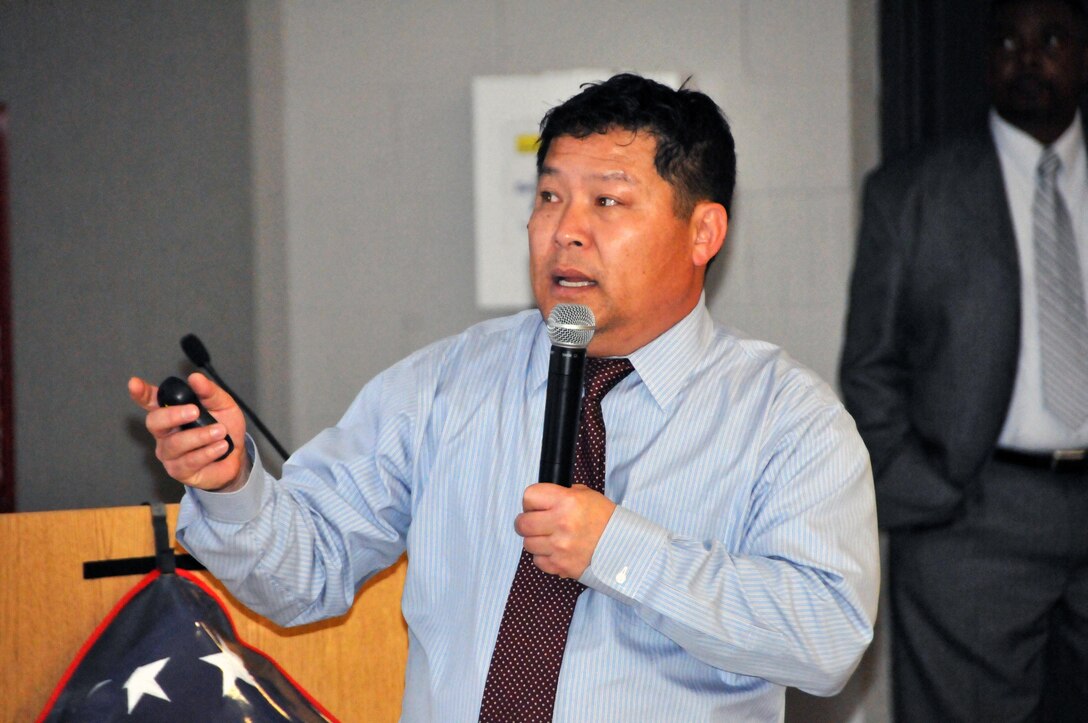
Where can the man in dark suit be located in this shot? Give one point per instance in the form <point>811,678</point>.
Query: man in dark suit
<point>958,343</point>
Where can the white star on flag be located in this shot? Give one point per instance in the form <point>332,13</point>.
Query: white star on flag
<point>142,682</point>
<point>234,669</point>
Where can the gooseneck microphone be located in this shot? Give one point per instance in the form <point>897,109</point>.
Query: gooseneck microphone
<point>570,327</point>
<point>198,354</point>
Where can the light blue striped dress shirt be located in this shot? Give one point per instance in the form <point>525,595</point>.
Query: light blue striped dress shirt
<point>742,557</point>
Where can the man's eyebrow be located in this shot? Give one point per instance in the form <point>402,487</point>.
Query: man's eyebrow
<point>621,176</point>
<point>617,176</point>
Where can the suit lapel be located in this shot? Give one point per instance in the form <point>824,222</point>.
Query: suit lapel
<point>985,206</point>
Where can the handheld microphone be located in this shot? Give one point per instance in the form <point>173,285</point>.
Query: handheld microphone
<point>570,327</point>
<point>198,354</point>
<point>174,392</point>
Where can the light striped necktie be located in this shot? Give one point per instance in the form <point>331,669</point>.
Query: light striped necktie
<point>1063,324</point>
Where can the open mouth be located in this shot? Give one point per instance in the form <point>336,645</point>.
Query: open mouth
<point>571,278</point>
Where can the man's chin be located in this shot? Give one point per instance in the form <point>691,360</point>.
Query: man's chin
<point>1031,113</point>
<point>1029,101</point>
<point>556,294</point>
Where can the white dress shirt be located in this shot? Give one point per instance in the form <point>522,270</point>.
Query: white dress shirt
<point>1028,425</point>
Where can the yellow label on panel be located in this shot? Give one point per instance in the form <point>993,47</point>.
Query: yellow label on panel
<point>527,142</point>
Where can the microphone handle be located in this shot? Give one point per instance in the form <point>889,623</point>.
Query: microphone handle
<point>562,415</point>
<point>249,412</point>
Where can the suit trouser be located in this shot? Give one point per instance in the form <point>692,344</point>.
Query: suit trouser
<point>990,612</point>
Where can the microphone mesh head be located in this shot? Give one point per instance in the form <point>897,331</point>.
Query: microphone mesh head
<point>571,325</point>
<point>195,350</point>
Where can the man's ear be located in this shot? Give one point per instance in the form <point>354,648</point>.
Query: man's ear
<point>709,222</point>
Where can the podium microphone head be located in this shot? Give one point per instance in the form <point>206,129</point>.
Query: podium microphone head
<point>571,325</point>
<point>195,350</point>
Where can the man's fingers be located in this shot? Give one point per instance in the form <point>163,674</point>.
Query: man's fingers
<point>194,461</point>
<point>162,421</point>
<point>542,549</point>
<point>178,445</point>
<point>535,524</point>
<point>542,496</point>
<point>544,555</point>
<point>211,394</point>
<point>143,393</point>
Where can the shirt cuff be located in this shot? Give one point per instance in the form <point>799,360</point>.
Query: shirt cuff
<point>626,556</point>
<point>241,505</point>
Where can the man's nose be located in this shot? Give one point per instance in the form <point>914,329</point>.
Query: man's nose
<point>1029,53</point>
<point>572,229</point>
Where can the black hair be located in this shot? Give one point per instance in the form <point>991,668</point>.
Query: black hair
<point>695,152</point>
<point>1075,6</point>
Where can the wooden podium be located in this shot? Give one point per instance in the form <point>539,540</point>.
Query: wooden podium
<point>353,665</point>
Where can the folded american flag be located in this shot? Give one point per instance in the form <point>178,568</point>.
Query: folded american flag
<point>169,652</point>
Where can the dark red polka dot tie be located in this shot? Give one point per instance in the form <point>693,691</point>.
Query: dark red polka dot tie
<point>525,665</point>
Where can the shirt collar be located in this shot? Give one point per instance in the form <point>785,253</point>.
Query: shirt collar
<point>666,363</point>
<point>663,365</point>
<point>1024,152</point>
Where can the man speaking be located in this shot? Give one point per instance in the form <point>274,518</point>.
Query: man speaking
<point>719,541</point>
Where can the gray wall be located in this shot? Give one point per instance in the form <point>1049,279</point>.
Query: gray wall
<point>131,226</point>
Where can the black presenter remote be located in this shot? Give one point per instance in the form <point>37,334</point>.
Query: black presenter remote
<point>174,392</point>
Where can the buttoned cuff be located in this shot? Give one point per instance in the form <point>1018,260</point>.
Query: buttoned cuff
<point>628,552</point>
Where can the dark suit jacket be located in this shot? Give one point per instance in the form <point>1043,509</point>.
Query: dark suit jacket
<point>933,330</point>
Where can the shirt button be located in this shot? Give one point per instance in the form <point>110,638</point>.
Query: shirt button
<point>621,576</point>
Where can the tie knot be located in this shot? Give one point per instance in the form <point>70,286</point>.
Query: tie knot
<point>604,373</point>
<point>1049,165</point>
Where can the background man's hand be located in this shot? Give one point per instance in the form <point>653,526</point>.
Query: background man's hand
<point>562,525</point>
<point>189,455</point>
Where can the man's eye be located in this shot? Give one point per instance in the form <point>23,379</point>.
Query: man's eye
<point>606,201</point>
<point>1053,41</point>
<point>1007,44</point>
<point>547,196</point>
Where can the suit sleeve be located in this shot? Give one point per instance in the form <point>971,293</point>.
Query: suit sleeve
<point>876,375</point>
